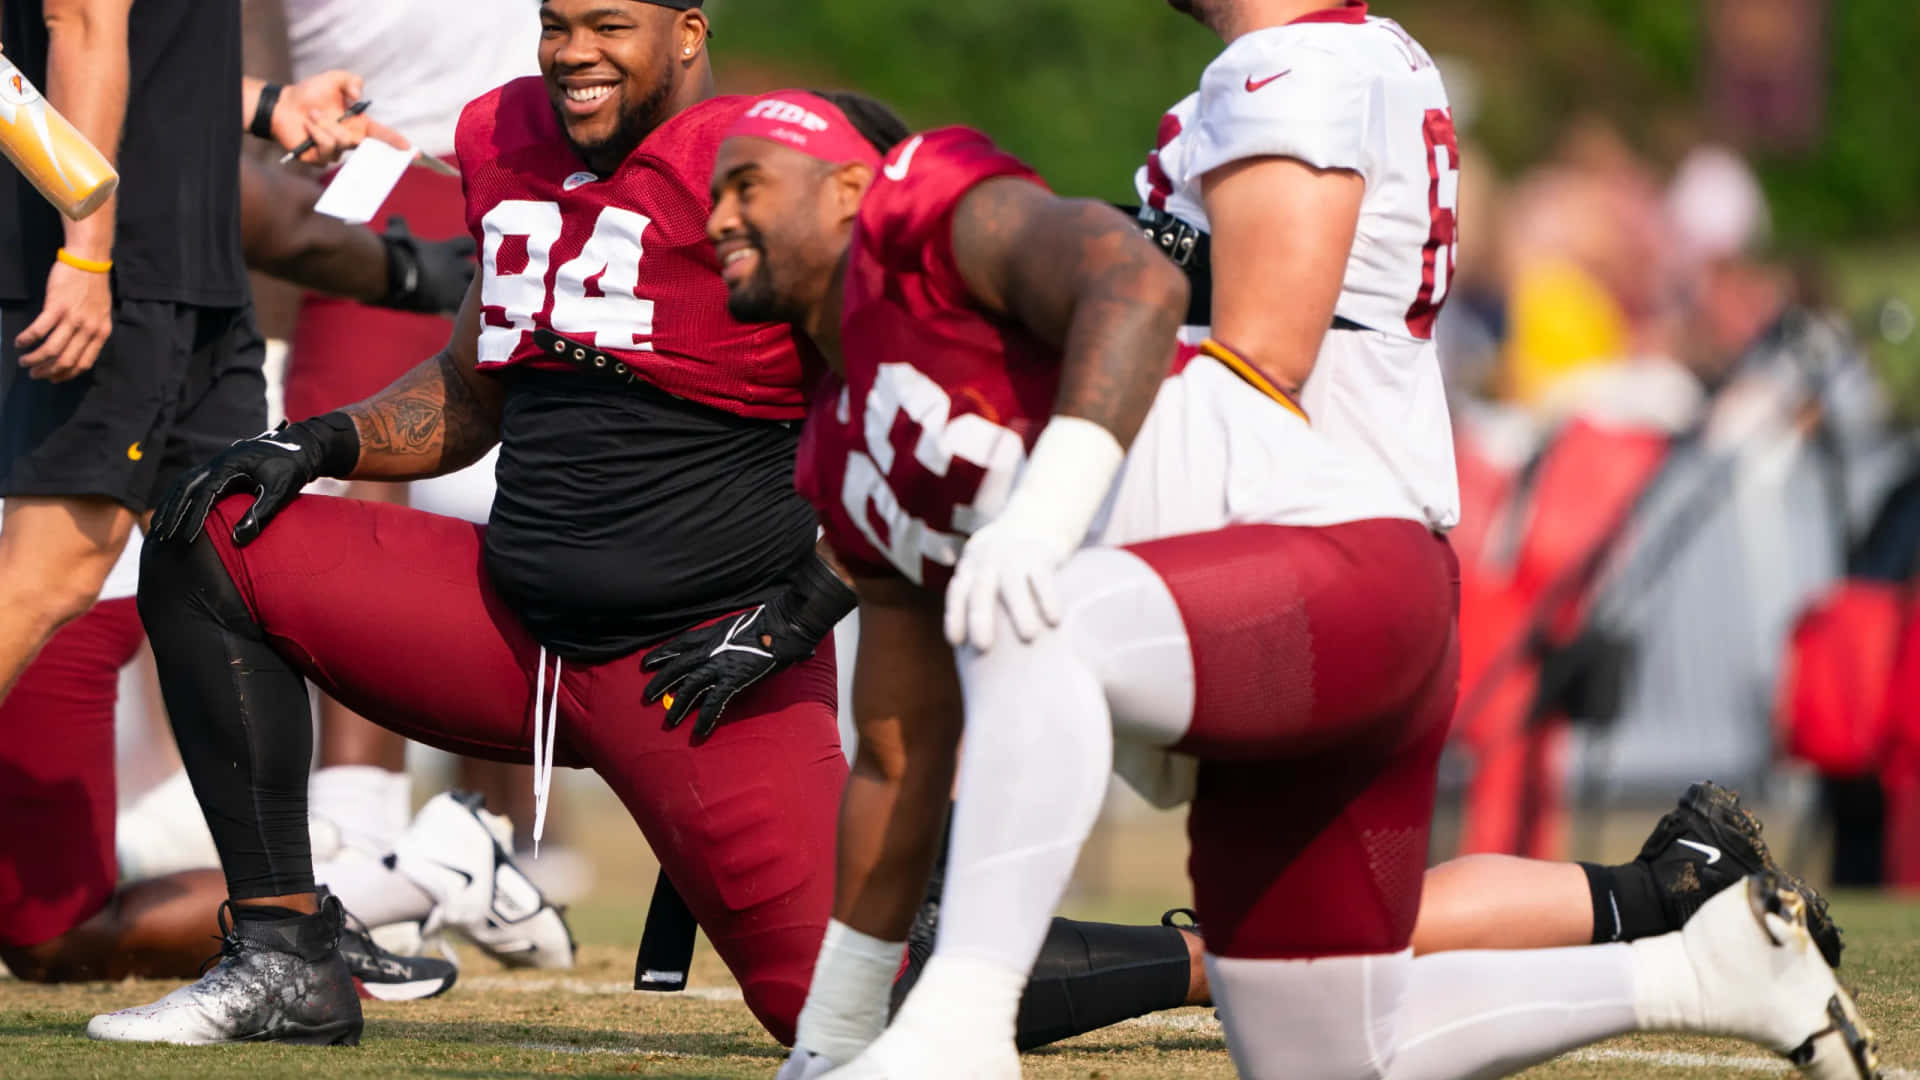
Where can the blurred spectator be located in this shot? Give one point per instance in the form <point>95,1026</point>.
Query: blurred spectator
<point>1785,457</point>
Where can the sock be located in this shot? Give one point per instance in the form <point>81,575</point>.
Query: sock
<point>963,1007</point>
<point>1438,1017</point>
<point>1034,765</point>
<point>370,805</point>
<point>1495,1013</point>
<point>264,913</point>
<point>374,892</point>
<point>1666,992</point>
<point>1626,903</point>
<point>847,1004</point>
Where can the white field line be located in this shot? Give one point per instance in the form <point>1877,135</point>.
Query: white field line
<point>568,985</point>
<point>1200,1023</point>
<point>1672,1059</point>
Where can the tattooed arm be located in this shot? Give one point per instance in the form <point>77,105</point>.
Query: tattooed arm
<point>441,416</point>
<point>1079,276</point>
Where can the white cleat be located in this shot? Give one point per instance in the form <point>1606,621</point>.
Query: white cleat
<point>1759,976</point>
<point>804,1064</point>
<point>457,853</point>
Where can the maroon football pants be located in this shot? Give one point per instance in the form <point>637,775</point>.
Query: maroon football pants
<point>57,864</point>
<point>1326,662</point>
<point>390,611</point>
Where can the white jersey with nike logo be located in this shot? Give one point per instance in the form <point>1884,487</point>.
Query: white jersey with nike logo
<point>1341,90</point>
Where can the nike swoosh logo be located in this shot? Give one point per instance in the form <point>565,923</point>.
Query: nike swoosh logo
<point>1254,85</point>
<point>733,631</point>
<point>468,878</point>
<point>897,171</point>
<point>295,447</point>
<point>1712,853</point>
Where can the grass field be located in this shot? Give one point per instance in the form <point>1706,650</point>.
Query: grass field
<point>589,1023</point>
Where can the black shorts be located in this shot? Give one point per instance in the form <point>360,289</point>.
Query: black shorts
<point>174,386</point>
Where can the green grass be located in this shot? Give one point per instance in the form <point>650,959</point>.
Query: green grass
<point>585,1024</point>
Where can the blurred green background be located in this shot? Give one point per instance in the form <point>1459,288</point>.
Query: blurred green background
<point>1077,86</point>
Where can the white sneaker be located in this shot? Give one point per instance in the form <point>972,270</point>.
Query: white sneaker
<point>457,853</point>
<point>804,1064</point>
<point>163,833</point>
<point>1758,975</point>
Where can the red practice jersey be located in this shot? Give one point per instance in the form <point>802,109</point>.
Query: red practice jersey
<point>920,442</point>
<point>619,262</point>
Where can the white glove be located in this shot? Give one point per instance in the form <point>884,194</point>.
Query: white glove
<point>1012,561</point>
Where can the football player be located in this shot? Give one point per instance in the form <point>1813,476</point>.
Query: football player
<point>62,917</point>
<point>645,486</point>
<point>1274,602</point>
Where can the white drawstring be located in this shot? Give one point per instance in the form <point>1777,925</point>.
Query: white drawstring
<point>545,728</point>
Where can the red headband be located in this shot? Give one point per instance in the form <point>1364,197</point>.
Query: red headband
<point>809,123</point>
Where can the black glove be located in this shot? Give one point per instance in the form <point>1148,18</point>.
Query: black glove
<point>706,667</point>
<point>428,276</point>
<point>277,464</point>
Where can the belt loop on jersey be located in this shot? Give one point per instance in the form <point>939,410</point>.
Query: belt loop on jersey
<point>546,726</point>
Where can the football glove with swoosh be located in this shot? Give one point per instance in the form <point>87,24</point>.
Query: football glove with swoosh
<point>276,464</point>
<point>704,668</point>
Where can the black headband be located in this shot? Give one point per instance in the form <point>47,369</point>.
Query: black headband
<point>677,5</point>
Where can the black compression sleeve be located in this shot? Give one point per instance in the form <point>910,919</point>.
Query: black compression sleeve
<point>240,716</point>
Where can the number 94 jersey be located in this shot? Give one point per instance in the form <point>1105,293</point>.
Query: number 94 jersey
<point>619,262</point>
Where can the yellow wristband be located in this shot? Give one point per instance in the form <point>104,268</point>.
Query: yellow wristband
<point>91,266</point>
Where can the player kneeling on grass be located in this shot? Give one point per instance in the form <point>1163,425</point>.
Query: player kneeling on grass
<point>1223,591</point>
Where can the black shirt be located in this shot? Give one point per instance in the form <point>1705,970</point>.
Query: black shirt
<point>178,231</point>
<point>625,515</point>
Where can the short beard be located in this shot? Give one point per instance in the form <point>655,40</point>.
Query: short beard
<point>755,302</point>
<point>606,156</point>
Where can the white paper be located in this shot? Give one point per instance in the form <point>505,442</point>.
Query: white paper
<point>364,182</point>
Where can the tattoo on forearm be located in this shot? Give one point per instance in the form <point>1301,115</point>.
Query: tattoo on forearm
<point>1079,275</point>
<point>1119,346</point>
<point>429,413</point>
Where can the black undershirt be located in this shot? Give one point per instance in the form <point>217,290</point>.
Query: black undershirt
<point>625,515</point>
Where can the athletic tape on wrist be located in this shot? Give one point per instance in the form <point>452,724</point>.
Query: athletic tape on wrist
<point>1066,480</point>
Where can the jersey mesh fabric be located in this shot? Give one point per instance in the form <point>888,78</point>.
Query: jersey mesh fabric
<point>530,197</point>
<point>901,460</point>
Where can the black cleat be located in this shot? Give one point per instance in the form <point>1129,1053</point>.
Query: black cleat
<point>276,980</point>
<point>1708,842</point>
<point>388,976</point>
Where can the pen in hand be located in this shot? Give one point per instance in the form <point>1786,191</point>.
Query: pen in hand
<point>353,110</point>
